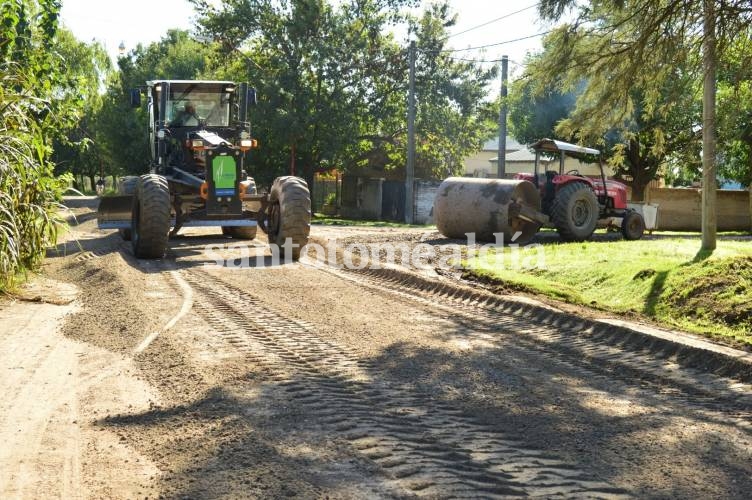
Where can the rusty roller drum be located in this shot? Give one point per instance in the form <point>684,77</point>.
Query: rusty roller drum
<point>487,206</point>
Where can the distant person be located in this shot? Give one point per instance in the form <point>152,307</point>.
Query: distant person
<point>100,186</point>
<point>187,117</point>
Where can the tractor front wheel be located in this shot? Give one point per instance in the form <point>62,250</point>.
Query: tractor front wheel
<point>289,215</point>
<point>150,219</point>
<point>632,226</point>
<point>127,186</point>
<point>575,212</point>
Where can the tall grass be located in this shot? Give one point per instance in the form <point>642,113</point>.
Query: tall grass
<point>28,190</point>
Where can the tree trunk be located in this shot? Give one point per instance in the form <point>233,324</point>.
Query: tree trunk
<point>708,128</point>
<point>638,188</point>
<point>750,208</point>
<point>93,180</point>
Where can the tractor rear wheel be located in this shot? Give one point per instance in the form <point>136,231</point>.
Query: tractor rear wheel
<point>126,186</point>
<point>632,226</point>
<point>289,214</point>
<point>150,222</point>
<point>575,212</point>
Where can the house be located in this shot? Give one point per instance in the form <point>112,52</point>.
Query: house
<point>478,165</point>
<point>520,159</point>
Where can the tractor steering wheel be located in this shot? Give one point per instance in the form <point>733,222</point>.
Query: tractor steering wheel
<point>572,172</point>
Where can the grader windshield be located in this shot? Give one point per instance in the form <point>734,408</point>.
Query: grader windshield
<point>194,104</point>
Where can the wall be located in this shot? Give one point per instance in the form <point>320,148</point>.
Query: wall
<point>479,164</point>
<point>361,198</point>
<point>424,192</point>
<point>679,209</point>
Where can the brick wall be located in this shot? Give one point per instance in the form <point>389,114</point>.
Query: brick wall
<point>679,209</point>
<point>424,193</point>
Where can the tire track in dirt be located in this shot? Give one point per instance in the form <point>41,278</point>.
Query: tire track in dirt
<point>588,350</point>
<point>422,445</point>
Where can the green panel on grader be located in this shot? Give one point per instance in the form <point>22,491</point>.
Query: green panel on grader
<point>224,172</point>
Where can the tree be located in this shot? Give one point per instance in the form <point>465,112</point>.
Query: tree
<point>324,77</point>
<point>618,45</point>
<point>333,84</point>
<point>123,130</point>
<point>79,147</point>
<point>537,104</point>
<point>735,110</point>
<point>636,146</point>
<point>453,118</point>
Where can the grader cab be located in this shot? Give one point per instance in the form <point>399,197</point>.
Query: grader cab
<point>199,142</point>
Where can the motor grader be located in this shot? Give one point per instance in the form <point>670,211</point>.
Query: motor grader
<point>572,203</point>
<point>199,143</point>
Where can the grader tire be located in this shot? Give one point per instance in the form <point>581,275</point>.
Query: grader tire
<point>151,217</point>
<point>127,186</point>
<point>289,214</point>
<point>575,212</point>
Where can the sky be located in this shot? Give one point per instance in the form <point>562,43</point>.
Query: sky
<point>145,21</point>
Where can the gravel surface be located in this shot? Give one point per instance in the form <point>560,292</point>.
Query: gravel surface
<point>305,381</point>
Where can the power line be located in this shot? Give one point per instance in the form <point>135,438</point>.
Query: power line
<point>491,21</point>
<point>500,43</point>
<point>466,59</point>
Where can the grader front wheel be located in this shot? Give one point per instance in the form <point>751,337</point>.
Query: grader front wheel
<point>289,215</point>
<point>150,224</point>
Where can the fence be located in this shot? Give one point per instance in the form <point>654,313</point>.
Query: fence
<point>324,190</point>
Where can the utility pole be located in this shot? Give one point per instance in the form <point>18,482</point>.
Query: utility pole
<point>410,170</point>
<point>708,128</point>
<point>501,163</point>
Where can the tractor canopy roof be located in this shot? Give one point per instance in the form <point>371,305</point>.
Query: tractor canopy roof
<point>554,146</point>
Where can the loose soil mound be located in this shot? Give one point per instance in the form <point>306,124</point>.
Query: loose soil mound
<point>712,292</point>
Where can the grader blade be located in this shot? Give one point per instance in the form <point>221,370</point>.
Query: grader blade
<point>114,212</point>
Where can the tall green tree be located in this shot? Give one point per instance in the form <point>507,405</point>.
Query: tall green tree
<point>620,45</point>
<point>636,146</point>
<point>537,104</point>
<point>735,110</point>
<point>453,116</point>
<point>79,148</point>
<point>326,77</point>
<point>333,84</point>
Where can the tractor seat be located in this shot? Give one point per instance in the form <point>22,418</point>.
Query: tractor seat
<point>550,191</point>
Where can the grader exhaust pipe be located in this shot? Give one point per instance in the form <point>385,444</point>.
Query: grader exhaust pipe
<point>488,206</point>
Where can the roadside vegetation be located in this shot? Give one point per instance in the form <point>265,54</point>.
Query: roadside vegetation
<point>663,278</point>
<point>28,189</point>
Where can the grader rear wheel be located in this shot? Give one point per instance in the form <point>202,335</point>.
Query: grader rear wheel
<point>289,215</point>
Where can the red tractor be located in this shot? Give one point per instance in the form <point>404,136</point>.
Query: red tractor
<point>575,203</point>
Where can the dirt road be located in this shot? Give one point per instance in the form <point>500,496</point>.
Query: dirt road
<point>171,378</point>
